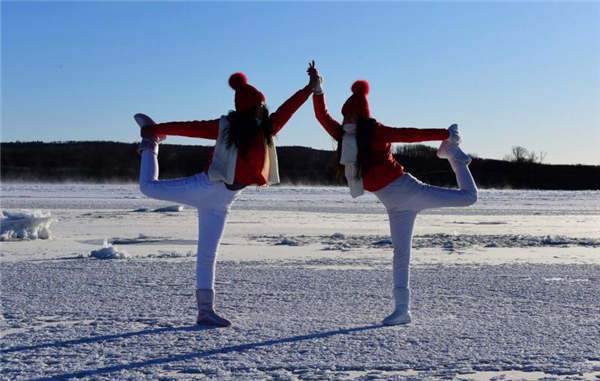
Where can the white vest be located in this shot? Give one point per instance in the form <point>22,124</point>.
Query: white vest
<point>348,159</point>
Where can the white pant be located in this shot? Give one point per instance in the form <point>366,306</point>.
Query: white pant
<point>212,200</point>
<point>406,196</point>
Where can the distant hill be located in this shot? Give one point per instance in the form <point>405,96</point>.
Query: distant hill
<point>102,162</point>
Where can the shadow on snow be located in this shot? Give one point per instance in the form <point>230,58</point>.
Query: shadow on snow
<point>182,357</point>
<point>94,339</point>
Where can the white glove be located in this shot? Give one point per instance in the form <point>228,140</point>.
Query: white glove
<point>317,88</point>
<point>453,134</point>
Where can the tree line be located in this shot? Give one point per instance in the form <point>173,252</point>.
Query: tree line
<point>106,162</point>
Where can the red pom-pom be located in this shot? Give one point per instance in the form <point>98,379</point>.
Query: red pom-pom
<point>360,87</point>
<point>237,80</point>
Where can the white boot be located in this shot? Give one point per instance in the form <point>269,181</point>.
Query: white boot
<point>401,314</point>
<point>206,310</point>
<point>451,151</point>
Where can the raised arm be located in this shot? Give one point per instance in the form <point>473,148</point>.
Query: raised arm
<point>330,125</point>
<point>288,108</point>
<point>206,129</point>
<point>409,134</point>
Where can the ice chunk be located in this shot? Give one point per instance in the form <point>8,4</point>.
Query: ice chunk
<point>108,251</point>
<point>172,208</point>
<point>25,225</point>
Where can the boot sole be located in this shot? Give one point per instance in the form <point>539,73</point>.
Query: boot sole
<point>206,323</point>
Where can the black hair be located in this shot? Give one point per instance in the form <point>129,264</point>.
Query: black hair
<point>243,128</point>
<point>365,129</point>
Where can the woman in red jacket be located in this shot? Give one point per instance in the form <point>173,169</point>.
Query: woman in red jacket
<point>244,155</point>
<point>364,148</point>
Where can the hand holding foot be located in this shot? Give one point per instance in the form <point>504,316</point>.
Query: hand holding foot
<point>146,123</point>
<point>449,148</point>
<point>149,139</point>
<point>453,134</point>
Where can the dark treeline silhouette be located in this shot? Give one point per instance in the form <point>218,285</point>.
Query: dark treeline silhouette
<point>103,162</point>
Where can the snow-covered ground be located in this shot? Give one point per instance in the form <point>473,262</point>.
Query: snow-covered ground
<point>506,288</point>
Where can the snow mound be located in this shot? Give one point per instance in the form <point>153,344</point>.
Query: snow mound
<point>108,251</point>
<point>25,225</point>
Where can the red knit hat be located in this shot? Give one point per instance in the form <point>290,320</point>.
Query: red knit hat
<point>246,96</point>
<point>357,103</point>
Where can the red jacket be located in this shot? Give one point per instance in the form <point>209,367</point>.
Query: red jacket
<point>248,168</point>
<point>383,168</point>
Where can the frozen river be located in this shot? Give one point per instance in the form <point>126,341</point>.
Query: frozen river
<point>506,288</point>
<point>313,199</point>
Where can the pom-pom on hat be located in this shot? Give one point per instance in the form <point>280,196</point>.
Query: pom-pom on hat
<point>246,96</point>
<point>357,103</point>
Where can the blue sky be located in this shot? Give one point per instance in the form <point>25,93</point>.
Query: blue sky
<point>509,73</point>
